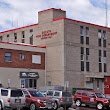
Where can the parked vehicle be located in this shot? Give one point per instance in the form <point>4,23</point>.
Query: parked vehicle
<point>91,98</point>
<point>11,98</point>
<point>35,99</point>
<point>61,98</point>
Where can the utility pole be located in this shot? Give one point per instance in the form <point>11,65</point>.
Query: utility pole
<point>106,8</point>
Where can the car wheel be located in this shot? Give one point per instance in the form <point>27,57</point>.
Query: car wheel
<point>32,106</point>
<point>55,107</point>
<point>78,102</point>
<point>1,106</point>
<point>99,106</point>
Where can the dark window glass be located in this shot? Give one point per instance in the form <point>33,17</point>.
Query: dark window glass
<point>87,30</point>
<point>81,29</point>
<point>82,65</point>
<point>16,93</point>
<point>7,56</point>
<point>82,50</point>
<point>21,56</point>
<point>84,94</point>
<point>36,93</point>
<point>105,67</point>
<point>15,37</point>
<point>31,40</point>
<point>31,30</point>
<point>100,67</point>
<point>87,40</point>
<point>1,38</point>
<point>104,53</point>
<point>57,94</point>
<point>4,92</point>
<point>87,51</point>
<point>99,42</point>
<point>30,83</point>
<point>82,39</point>
<point>34,83</point>
<point>104,43</point>
<point>87,66</point>
<point>50,93</point>
<point>100,53</point>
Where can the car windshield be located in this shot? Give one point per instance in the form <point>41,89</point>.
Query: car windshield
<point>35,93</point>
<point>100,95</point>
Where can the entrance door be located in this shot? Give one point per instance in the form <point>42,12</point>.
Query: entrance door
<point>28,83</point>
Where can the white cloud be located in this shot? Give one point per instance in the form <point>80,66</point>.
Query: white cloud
<point>24,12</point>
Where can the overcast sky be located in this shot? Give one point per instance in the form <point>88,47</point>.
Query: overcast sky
<point>17,13</point>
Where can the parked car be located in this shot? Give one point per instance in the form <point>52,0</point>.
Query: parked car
<point>35,99</point>
<point>61,98</point>
<point>11,98</point>
<point>91,98</point>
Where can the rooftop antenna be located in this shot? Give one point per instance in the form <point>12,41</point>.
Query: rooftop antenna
<point>106,7</point>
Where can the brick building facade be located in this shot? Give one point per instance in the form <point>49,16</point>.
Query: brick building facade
<point>76,51</point>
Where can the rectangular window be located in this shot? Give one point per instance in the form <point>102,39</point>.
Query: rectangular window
<point>100,67</point>
<point>82,65</point>
<point>81,30</point>
<point>87,66</point>
<point>104,35</point>
<point>23,37</point>
<point>104,42</point>
<point>36,59</point>
<point>82,50</point>
<point>15,37</point>
<point>8,38</point>
<point>100,53</point>
<point>87,51</point>
<point>1,38</point>
<point>104,53</point>
<point>99,42</point>
<point>100,56</point>
<point>105,67</point>
<point>7,56</point>
<point>87,30</point>
<point>87,40</point>
<point>82,39</point>
<point>99,34</point>
<point>31,36</point>
<point>97,83</point>
<point>21,56</point>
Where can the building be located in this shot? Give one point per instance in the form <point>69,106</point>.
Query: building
<point>76,52</point>
<point>22,65</point>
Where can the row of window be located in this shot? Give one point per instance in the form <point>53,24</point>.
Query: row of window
<point>22,37</point>
<point>35,58</point>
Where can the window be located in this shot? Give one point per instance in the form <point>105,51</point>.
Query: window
<point>82,65</point>
<point>97,83</point>
<point>8,38</point>
<point>105,67</point>
<point>104,42</point>
<point>15,37</point>
<point>87,40</point>
<point>82,50</point>
<point>0,38</point>
<point>4,92</point>
<point>84,94</point>
<point>104,52</point>
<point>100,53</point>
<point>16,93</point>
<point>87,66</point>
<point>57,94</point>
<point>99,42</point>
<point>82,39</point>
<point>36,59</point>
<point>87,51</point>
<point>31,36</point>
<point>100,58</point>
<point>21,56</point>
<point>49,83</point>
<point>100,67</point>
<point>23,37</point>
<point>81,30</point>
<point>7,56</point>
<point>99,34</point>
<point>50,93</point>
<point>104,35</point>
<point>87,30</point>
